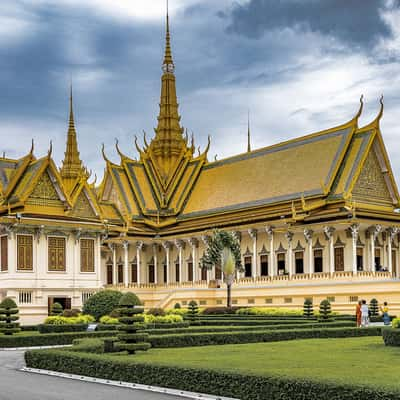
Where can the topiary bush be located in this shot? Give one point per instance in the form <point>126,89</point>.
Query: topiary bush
<point>71,313</point>
<point>103,303</point>
<point>158,312</point>
<point>177,305</point>
<point>374,307</point>
<point>131,336</point>
<point>56,309</point>
<point>9,317</point>
<point>193,311</point>
<point>325,311</point>
<point>308,310</point>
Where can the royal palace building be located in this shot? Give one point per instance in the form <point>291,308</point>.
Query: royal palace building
<point>316,216</point>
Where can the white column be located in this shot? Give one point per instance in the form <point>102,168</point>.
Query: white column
<point>155,263</point>
<point>125,246</point>
<point>195,244</point>
<point>180,245</point>
<point>139,246</point>
<point>271,266</point>
<point>308,234</point>
<point>354,234</point>
<point>254,263</point>
<point>167,247</point>
<point>114,258</point>
<point>374,234</point>
<point>329,230</point>
<point>98,261</point>
<point>372,258</point>
<point>289,237</point>
<point>391,233</point>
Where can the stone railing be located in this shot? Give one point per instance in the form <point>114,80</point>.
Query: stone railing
<point>265,280</point>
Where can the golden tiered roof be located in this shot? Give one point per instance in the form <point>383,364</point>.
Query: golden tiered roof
<point>169,189</point>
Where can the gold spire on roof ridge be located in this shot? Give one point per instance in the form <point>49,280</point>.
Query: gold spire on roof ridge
<point>168,144</point>
<point>168,53</point>
<point>72,166</point>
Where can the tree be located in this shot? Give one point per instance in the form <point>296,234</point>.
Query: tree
<point>308,310</point>
<point>223,250</point>
<point>325,311</point>
<point>56,309</point>
<point>103,303</point>
<point>374,307</point>
<point>9,317</point>
<point>131,336</point>
<point>193,311</point>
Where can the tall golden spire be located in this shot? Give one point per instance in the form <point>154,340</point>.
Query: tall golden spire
<point>72,165</point>
<point>168,143</point>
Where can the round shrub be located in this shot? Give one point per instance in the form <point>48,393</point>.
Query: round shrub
<point>156,311</point>
<point>106,319</point>
<point>71,313</point>
<point>102,303</point>
<point>374,307</point>
<point>9,317</point>
<point>56,309</point>
<point>177,305</point>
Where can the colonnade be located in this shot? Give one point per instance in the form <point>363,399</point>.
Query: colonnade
<point>277,243</point>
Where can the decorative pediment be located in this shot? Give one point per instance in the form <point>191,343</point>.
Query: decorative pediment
<point>299,247</point>
<point>339,243</point>
<point>263,251</point>
<point>280,249</point>
<point>248,253</point>
<point>318,245</point>
<point>46,193</point>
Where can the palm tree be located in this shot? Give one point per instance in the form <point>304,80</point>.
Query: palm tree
<point>223,250</point>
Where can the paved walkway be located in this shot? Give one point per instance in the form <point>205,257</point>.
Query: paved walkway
<point>18,385</point>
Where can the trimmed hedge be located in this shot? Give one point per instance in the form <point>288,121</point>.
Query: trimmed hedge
<point>200,329</point>
<point>171,326</point>
<point>30,328</point>
<point>205,339</point>
<point>251,322</point>
<point>49,328</point>
<point>249,316</point>
<point>391,336</point>
<point>49,339</point>
<point>245,387</point>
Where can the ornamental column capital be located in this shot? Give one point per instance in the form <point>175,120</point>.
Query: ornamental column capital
<point>308,234</point>
<point>194,242</point>
<point>329,231</point>
<point>125,245</point>
<point>139,245</point>
<point>354,229</point>
<point>269,229</point>
<point>392,232</point>
<point>253,233</point>
<point>206,239</point>
<point>180,244</point>
<point>167,245</point>
<point>289,236</point>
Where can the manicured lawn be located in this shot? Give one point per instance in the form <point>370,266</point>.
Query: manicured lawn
<point>360,361</point>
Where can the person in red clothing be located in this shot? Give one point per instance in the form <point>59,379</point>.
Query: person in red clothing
<point>358,314</point>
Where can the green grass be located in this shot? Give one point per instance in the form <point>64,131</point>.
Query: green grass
<point>359,361</point>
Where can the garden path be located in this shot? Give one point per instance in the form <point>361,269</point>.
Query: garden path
<point>18,385</point>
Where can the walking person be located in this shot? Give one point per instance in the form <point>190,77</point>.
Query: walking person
<point>385,314</point>
<point>364,314</point>
<point>358,314</point>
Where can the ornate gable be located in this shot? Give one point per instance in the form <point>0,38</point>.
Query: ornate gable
<point>82,207</point>
<point>45,193</point>
<point>371,185</point>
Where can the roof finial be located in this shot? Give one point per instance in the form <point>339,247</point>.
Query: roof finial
<point>71,111</point>
<point>248,132</point>
<point>168,64</point>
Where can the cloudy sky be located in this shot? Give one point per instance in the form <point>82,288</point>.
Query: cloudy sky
<point>299,66</point>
